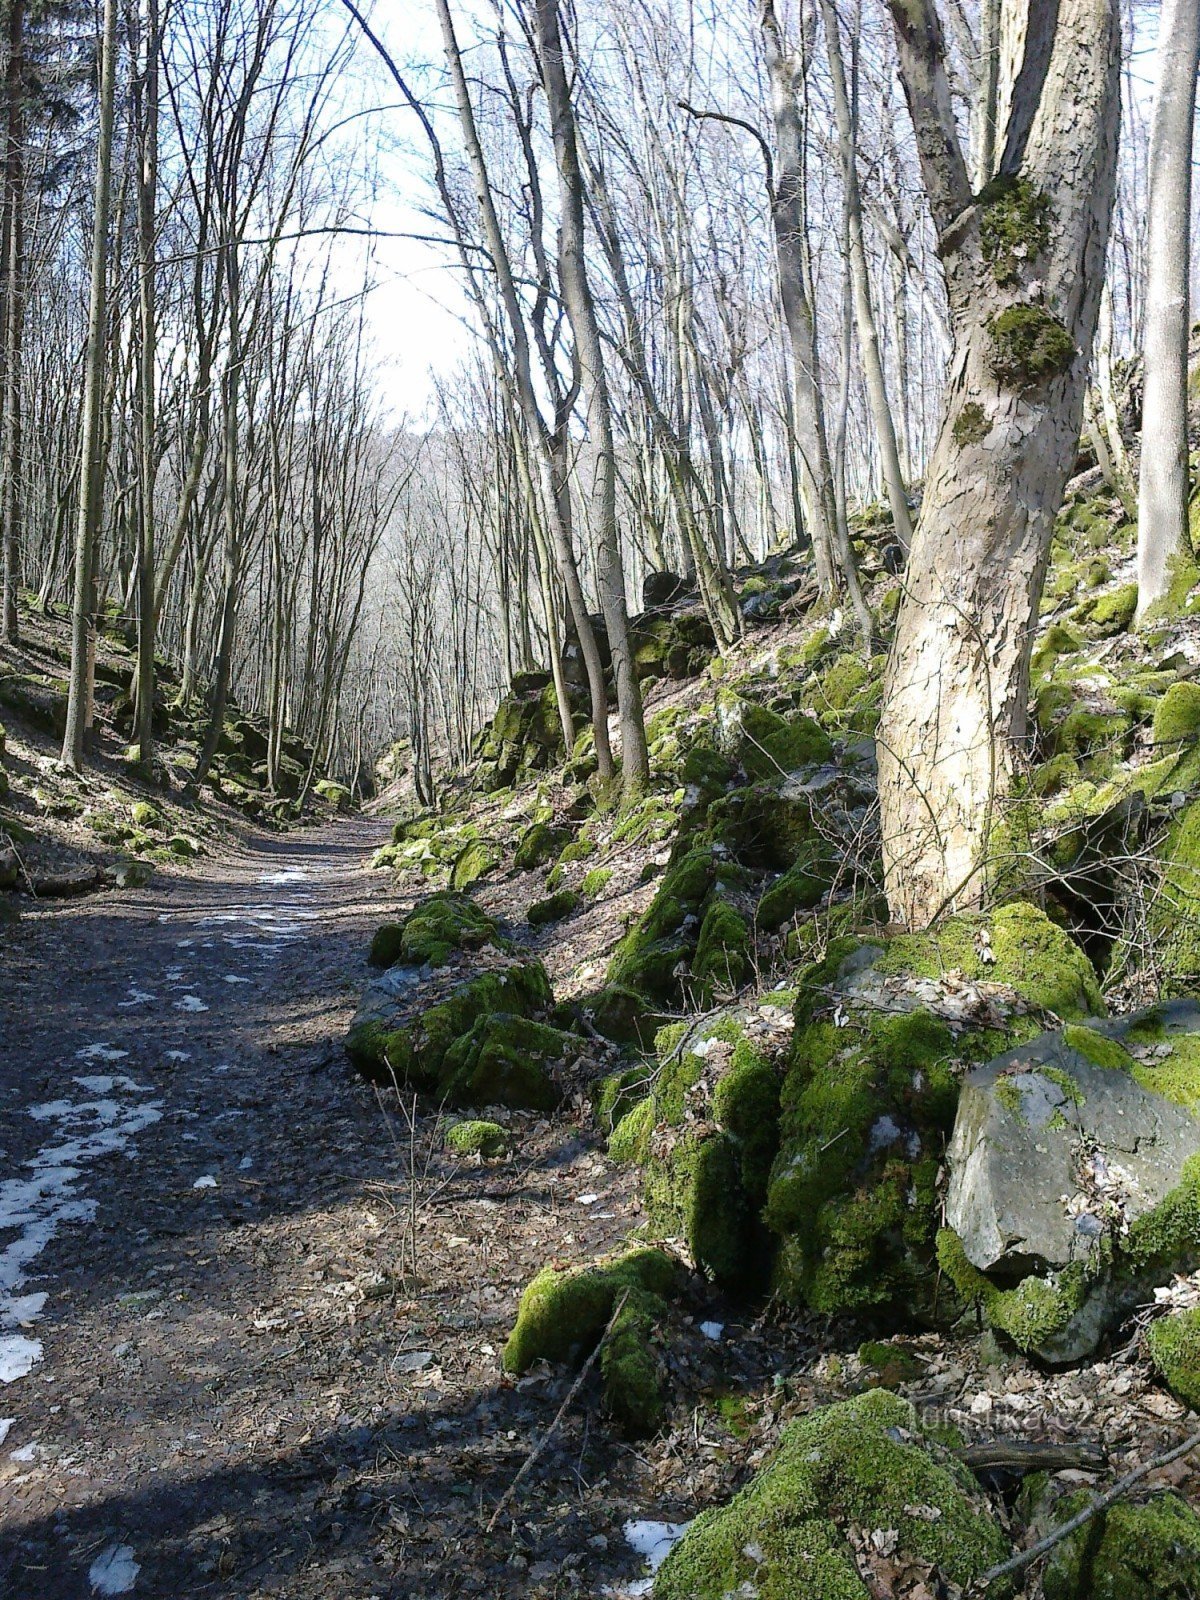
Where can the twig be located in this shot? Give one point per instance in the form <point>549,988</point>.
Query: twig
<point>1031,1455</point>
<point>1102,1503</point>
<point>562,1410</point>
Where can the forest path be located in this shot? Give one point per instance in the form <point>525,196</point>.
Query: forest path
<point>200,1220</point>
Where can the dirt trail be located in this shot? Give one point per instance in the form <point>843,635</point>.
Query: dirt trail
<point>228,1388</point>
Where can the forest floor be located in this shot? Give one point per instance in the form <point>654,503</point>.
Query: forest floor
<point>237,1387</point>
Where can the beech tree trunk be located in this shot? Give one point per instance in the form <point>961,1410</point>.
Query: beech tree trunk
<point>1024,262</point>
<point>581,311</point>
<point>1163,482</point>
<point>91,472</point>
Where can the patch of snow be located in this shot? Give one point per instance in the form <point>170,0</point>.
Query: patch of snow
<point>884,1133</point>
<point>18,1356</point>
<point>27,1452</point>
<point>206,1182</point>
<point>100,1052</point>
<point>114,1570</point>
<point>712,1330</point>
<point>103,1086</point>
<point>654,1541</point>
<point>5,1424</point>
<point>190,1002</point>
<point>587,1199</point>
<point>179,1055</point>
<point>245,1164</point>
<point>34,1207</point>
<point>135,997</point>
<point>232,977</point>
<point>288,875</point>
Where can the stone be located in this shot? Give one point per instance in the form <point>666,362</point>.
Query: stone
<point>1075,1179</point>
<point>661,589</point>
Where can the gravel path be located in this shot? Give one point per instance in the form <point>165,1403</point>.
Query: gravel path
<point>219,1379</point>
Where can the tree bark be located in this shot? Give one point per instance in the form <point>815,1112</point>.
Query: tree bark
<point>581,311</point>
<point>12,268</point>
<point>956,687</point>
<point>1163,481</point>
<point>91,474</point>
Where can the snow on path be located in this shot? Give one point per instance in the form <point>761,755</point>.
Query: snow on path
<point>35,1207</point>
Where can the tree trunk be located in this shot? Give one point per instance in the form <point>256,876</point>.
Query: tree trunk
<point>147,448</point>
<point>1163,483</point>
<point>956,688</point>
<point>831,547</point>
<point>864,311</point>
<point>581,311</point>
<point>12,267</point>
<point>91,475</point>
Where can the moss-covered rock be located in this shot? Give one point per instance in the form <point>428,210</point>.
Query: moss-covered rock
<point>505,1060</point>
<point>766,744</point>
<point>653,956</point>
<point>724,950</point>
<point>862,1464</point>
<point>1131,1552</point>
<point>1174,1345</point>
<point>563,1313</point>
<point>802,886</point>
<point>1016,945</point>
<point>553,908</point>
<point>432,931</point>
<point>705,1137</point>
<point>146,815</point>
<point>473,862</point>
<point>397,1039</point>
<point>538,844</point>
<point>486,1139</point>
<point>1177,716</point>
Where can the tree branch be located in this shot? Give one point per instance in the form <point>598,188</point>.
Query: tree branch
<point>735,122</point>
<point>922,52</point>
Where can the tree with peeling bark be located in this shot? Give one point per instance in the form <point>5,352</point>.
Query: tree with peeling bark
<point>1023,262</point>
<point>1163,540</point>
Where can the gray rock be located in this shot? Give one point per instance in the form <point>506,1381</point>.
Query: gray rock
<point>1050,1151</point>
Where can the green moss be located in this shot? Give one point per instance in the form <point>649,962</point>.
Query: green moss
<point>630,1140</point>
<point>505,1060</point>
<point>412,1053</point>
<point>486,1139</point>
<point>1097,1047</point>
<point>630,1368</point>
<point>866,1109</point>
<point>439,925</point>
<point>801,887</point>
<point>649,957</point>
<point>890,1364</point>
<point>1131,1552</point>
<point>1183,578</point>
<point>595,882</point>
<point>1177,716</point>
<point>971,426</point>
<point>1033,1313</point>
<point>472,862</point>
<point>553,908</point>
<point>723,951</point>
<point>1058,640</point>
<point>646,821</point>
<point>145,815</point>
<point>1030,346</point>
<point>1113,613</point>
<point>1177,1076</point>
<point>618,1093</point>
<point>564,1312</point>
<point>537,844</point>
<point>766,744</point>
<point>1014,228</point>
<point>862,1463</point>
<point>1176,913</point>
<point>1029,953</point>
<point>1174,1346</point>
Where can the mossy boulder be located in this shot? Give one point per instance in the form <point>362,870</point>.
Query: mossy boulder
<point>803,886</point>
<point>538,844</point>
<point>401,1037</point>
<point>653,957</point>
<point>678,645</point>
<point>1016,945</point>
<point>864,1463</point>
<point>441,924</point>
<point>505,1060</point>
<point>1175,911</point>
<point>553,908</point>
<point>474,861</point>
<point>145,814</point>
<point>705,1138</point>
<point>871,1093</point>
<point>1149,1551</point>
<point>485,1139</point>
<point>763,824</point>
<point>563,1314</point>
<point>39,702</point>
<point>1177,715</point>
<point>766,744</point>
<point>1074,1179</point>
<point>1174,1346</point>
<point>724,950</point>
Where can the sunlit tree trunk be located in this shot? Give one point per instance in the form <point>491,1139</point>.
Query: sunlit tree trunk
<point>956,688</point>
<point>1163,480</point>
